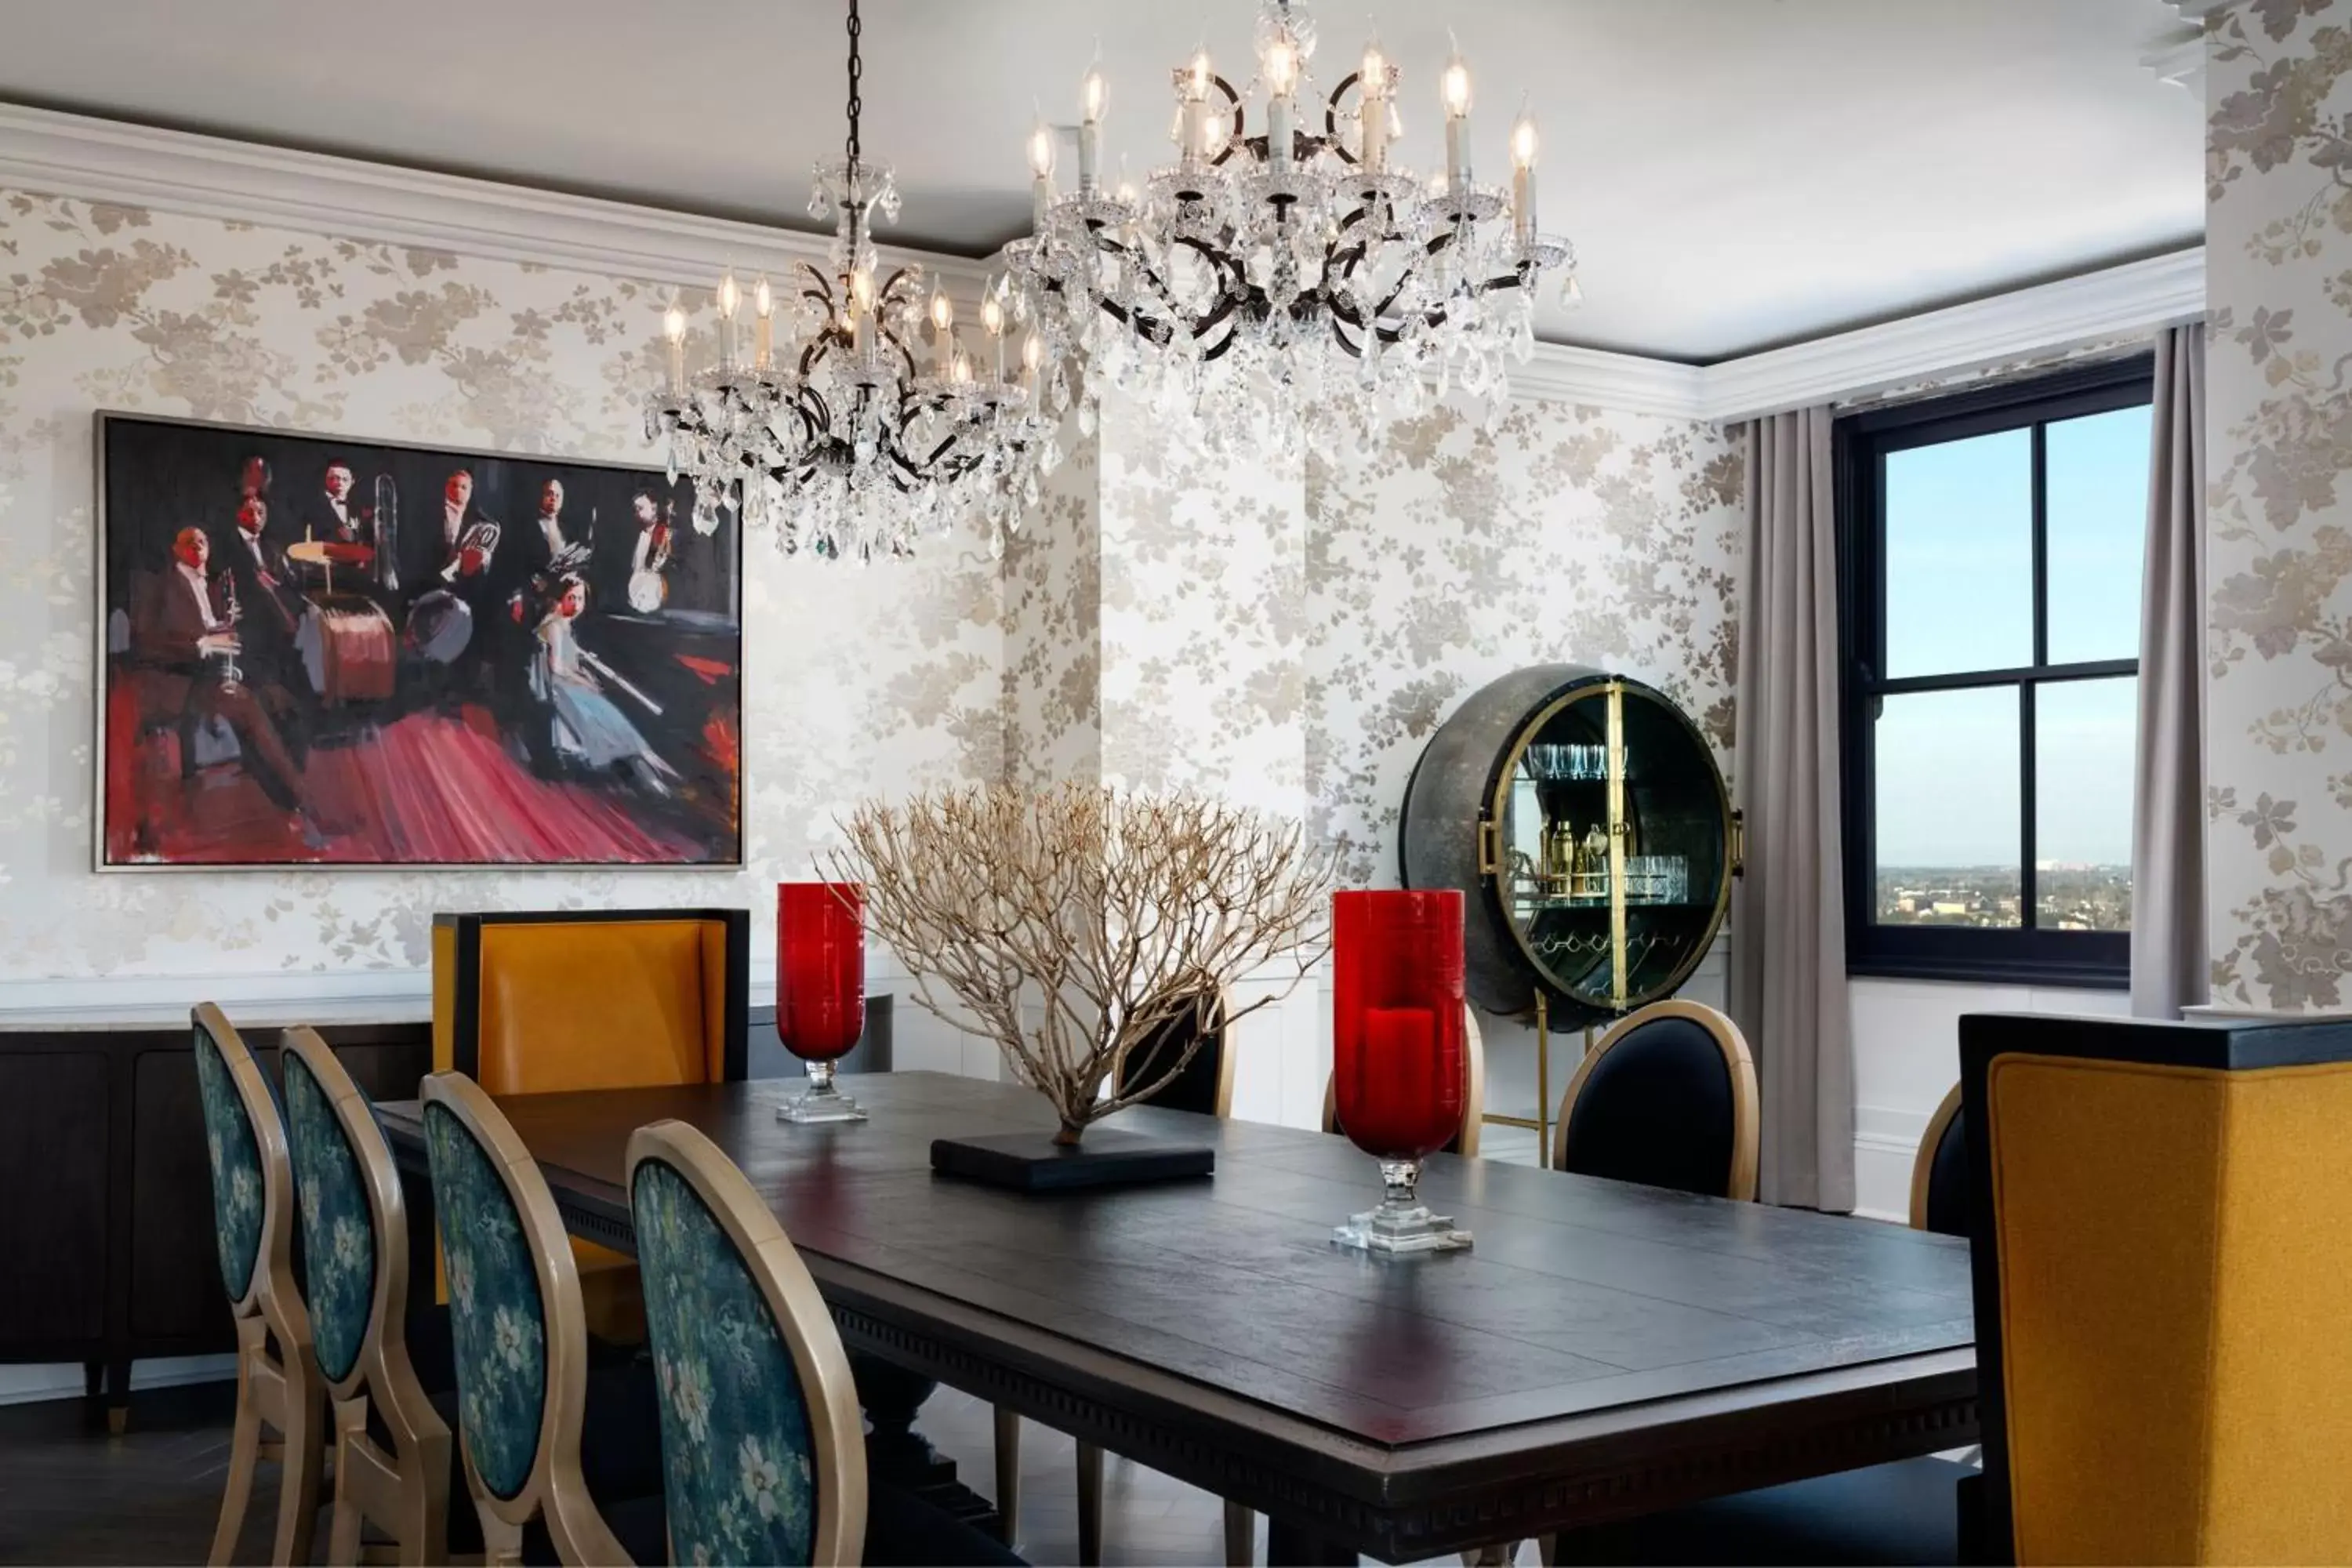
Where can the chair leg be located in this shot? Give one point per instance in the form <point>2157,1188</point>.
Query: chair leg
<point>501,1542</point>
<point>1008,1474</point>
<point>1548,1549</point>
<point>298,1477</point>
<point>1241,1536</point>
<point>1090,1505</point>
<point>343,1519</point>
<point>1494,1554</point>
<point>425,1499</point>
<point>244,1453</point>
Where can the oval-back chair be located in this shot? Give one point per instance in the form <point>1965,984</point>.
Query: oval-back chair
<point>355,1287</point>
<point>1666,1099</point>
<point>278,1381</point>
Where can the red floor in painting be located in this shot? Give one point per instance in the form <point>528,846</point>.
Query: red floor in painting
<point>423,790</point>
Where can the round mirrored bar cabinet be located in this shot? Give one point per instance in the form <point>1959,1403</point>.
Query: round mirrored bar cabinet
<point>1583,818</point>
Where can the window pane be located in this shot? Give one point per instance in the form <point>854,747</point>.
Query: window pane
<point>2084,733</point>
<point>1959,555</point>
<point>2097,470</point>
<point>1948,818</point>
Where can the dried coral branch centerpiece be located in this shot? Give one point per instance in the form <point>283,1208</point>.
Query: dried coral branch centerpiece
<point>1074,925</point>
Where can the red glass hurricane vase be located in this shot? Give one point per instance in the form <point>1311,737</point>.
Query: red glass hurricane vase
<point>1398,1029</point>
<point>820,989</point>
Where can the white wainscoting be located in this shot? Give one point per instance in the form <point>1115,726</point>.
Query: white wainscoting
<point>1907,1057</point>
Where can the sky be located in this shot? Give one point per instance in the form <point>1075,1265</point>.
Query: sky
<point>1959,581</point>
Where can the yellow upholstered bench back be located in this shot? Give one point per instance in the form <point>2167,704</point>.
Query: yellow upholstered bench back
<point>539,1004</point>
<point>2173,1245</point>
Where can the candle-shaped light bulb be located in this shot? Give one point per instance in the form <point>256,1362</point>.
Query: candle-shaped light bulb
<point>959,371</point>
<point>1033,353</point>
<point>1041,150</point>
<point>1523,178</point>
<point>674,329</point>
<point>1455,89</point>
<point>1213,134</point>
<point>943,310</point>
<point>1094,99</point>
<point>1280,68</point>
<point>1372,111</point>
<point>861,290</point>
<point>730,300</point>
<point>1281,65</point>
<point>763,302</point>
<point>992,321</point>
<point>1200,75</point>
<point>1041,173</point>
<point>1456,86</point>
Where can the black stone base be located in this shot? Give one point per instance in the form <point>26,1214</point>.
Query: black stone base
<point>1033,1162</point>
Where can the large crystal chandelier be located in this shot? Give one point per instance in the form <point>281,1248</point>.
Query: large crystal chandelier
<point>1288,253</point>
<point>856,436</point>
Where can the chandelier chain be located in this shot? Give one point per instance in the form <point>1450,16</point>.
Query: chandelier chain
<point>856,70</point>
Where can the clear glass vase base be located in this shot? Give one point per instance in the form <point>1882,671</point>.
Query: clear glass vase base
<point>1399,1230</point>
<point>818,1106</point>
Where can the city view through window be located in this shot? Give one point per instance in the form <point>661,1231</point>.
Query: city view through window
<point>1950,765</point>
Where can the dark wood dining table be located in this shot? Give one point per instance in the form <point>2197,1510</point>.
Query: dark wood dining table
<point>1601,1351</point>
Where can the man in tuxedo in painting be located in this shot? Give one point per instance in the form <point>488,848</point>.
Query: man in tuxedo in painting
<point>331,514</point>
<point>184,648</point>
<point>449,574</point>
<point>268,599</point>
<point>448,546</point>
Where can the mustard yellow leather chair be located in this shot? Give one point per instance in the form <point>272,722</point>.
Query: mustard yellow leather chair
<point>2163,1226</point>
<point>548,1001</point>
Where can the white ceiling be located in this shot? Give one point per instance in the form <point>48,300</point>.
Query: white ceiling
<point>1736,173</point>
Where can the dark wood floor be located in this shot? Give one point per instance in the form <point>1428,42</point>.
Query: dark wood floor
<point>71,1493</point>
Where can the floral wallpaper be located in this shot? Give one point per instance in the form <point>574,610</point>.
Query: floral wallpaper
<point>1052,692</point>
<point>1456,556</point>
<point>857,681</point>
<point>1205,612</point>
<point>2279,562</point>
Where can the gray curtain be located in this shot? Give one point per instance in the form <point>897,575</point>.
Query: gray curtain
<point>2169,968</point>
<point>1788,934</point>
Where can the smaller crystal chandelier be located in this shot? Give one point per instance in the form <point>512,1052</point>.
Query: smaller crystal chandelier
<point>849,440</point>
<point>1294,254</point>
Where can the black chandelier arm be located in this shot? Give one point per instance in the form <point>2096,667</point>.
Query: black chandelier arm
<point>1239,134</point>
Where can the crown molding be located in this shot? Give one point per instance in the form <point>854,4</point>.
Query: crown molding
<point>242,182</point>
<point>1556,372</point>
<point>217,178</point>
<point>2132,300</point>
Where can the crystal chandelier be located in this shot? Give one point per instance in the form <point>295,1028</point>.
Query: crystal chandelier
<point>855,437</point>
<point>1292,256</point>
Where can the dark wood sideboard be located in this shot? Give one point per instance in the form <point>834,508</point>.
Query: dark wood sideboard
<point>108,1218</point>
<point>107,1254</point>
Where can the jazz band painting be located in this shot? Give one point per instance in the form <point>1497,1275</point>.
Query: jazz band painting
<point>341,653</point>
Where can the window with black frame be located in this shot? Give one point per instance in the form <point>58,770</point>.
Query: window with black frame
<point>1991,578</point>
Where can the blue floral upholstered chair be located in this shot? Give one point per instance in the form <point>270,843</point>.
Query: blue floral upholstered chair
<point>355,1287</point>
<point>520,1337</point>
<point>764,1455</point>
<point>278,1383</point>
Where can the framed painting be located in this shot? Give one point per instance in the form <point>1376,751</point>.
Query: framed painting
<point>331,653</point>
